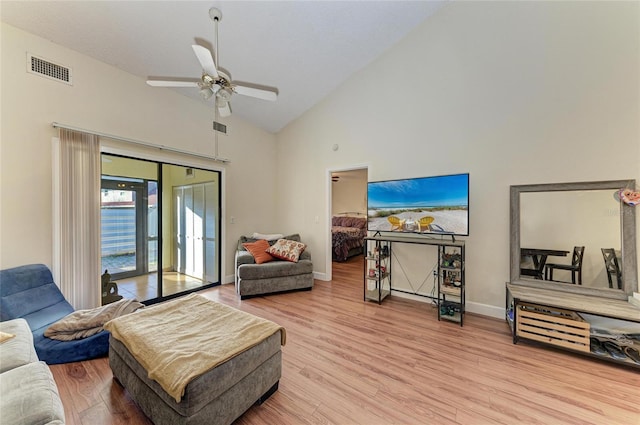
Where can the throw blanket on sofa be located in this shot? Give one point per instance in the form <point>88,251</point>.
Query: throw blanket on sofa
<point>84,323</point>
<point>182,339</point>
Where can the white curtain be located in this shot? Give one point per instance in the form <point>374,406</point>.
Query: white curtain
<point>77,218</point>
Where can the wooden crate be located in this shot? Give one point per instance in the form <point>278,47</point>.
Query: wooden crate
<point>553,326</point>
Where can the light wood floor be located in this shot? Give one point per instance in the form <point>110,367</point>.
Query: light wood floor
<point>351,362</point>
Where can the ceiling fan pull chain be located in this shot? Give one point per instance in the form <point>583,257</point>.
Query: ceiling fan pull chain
<point>216,53</point>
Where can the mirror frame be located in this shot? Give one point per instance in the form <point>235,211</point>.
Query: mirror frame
<point>627,239</point>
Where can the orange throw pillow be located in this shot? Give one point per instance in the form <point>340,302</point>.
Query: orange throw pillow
<point>258,250</point>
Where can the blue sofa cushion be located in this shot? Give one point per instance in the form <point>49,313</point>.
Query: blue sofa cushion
<point>29,292</point>
<point>53,351</point>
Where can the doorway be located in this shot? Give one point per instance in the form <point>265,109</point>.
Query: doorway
<point>124,226</point>
<point>347,198</point>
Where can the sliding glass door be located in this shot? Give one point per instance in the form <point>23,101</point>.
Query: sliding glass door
<point>160,227</point>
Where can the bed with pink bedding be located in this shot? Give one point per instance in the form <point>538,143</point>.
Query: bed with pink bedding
<point>347,236</point>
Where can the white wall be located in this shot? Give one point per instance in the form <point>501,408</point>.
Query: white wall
<point>108,100</point>
<point>349,193</point>
<point>511,92</point>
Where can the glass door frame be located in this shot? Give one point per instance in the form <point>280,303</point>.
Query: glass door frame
<point>163,220</point>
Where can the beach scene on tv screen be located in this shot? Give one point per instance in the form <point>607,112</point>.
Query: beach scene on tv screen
<point>423,205</point>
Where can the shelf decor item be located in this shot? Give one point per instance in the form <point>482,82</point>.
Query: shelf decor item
<point>629,196</point>
<point>450,260</point>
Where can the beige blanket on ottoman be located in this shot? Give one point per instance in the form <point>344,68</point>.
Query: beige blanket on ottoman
<point>182,339</point>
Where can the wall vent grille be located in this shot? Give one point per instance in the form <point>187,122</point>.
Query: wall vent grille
<point>47,69</point>
<point>221,128</point>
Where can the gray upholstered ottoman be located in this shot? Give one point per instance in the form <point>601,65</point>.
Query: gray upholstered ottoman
<point>192,331</point>
<point>217,397</point>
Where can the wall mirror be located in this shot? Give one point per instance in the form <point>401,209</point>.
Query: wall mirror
<point>550,225</point>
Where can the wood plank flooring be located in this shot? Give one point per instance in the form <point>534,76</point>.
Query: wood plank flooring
<point>352,362</point>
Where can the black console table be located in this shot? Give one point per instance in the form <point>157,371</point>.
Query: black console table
<point>450,273</point>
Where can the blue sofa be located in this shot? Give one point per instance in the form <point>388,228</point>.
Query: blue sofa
<point>29,292</point>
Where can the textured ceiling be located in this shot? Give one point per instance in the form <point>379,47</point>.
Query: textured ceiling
<point>305,49</point>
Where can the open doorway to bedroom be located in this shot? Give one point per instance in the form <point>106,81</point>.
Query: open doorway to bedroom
<point>348,196</point>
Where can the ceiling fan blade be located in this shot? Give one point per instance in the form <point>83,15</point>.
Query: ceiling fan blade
<point>225,110</point>
<point>172,83</point>
<point>253,92</point>
<point>206,60</point>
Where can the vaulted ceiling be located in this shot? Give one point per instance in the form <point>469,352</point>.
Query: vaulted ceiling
<point>305,49</point>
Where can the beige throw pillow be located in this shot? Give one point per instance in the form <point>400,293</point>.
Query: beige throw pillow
<point>286,249</point>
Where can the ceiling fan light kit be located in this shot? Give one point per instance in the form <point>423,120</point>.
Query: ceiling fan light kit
<point>215,83</point>
<point>206,93</point>
<point>224,94</point>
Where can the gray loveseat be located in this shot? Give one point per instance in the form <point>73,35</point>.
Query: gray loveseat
<point>28,393</point>
<point>275,276</point>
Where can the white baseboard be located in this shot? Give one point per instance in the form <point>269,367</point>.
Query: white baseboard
<point>228,279</point>
<point>486,310</point>
<point>471,307</point>
<point>320,276</point>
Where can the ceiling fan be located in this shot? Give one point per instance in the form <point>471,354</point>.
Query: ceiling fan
<point>214,82</point>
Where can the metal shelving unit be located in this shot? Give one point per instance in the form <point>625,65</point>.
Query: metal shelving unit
<point>377,270</point>
<point>450,270</point>
<point>451,285</point>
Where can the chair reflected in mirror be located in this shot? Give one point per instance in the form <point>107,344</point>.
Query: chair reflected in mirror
<point>532,266</point>
<point>612,267</point>
<point>575,267</point>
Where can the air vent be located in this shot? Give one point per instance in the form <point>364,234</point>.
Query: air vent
<point>47,69</point>
<point>221,128</point>
<point>190,173</point>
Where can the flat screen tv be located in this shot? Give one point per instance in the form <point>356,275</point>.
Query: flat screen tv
<point>426,205</point>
